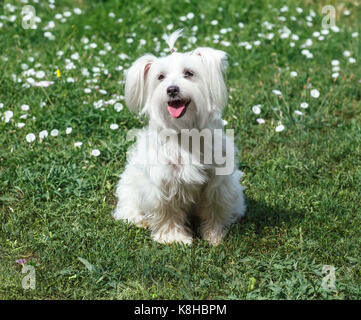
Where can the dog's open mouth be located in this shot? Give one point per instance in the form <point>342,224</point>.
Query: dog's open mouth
<point>178,107</point>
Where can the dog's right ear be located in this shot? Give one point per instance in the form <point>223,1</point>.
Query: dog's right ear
<point>135,82</point>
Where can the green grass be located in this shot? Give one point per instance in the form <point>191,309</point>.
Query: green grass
<point>302,184</point>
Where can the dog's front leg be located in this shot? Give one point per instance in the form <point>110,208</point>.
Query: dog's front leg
<point>213,226</point>
<point>222,204</point>
<point>169,225</point>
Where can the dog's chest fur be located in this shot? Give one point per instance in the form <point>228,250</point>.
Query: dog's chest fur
<point>182,180</point>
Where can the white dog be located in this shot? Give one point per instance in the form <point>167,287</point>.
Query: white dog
<point>163,185</point>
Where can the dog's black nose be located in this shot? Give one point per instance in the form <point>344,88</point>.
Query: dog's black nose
<point>172,91</point>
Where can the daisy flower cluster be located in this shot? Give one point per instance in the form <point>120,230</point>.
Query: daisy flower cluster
<point>94,69</point>
<point>79,65</point>
<point>304,44</point>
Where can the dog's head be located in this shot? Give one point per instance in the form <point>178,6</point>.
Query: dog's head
<point>179,91</point>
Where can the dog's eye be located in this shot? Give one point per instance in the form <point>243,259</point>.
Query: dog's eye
<point>188,74</point>
<point>161,77</point>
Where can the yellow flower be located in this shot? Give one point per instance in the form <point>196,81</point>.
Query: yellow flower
<point>58,73</point>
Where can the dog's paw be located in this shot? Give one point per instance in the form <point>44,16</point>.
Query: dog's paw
<point>214,236</point>
<point>172,236</point>
<point>133,217</point>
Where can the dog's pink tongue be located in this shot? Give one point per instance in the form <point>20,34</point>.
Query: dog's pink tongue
<point>175,112</point>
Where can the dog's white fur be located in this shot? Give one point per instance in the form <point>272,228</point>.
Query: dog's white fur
<point>162,195</point>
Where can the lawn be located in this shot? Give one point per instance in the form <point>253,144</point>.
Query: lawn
<point>294,104</point>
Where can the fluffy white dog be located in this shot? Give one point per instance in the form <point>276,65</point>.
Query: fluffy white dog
<point>167,180</point>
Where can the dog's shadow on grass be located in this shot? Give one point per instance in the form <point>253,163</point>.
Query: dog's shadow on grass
<point>261,217</point>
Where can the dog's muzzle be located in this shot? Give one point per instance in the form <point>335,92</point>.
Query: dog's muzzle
<point>178,107</point>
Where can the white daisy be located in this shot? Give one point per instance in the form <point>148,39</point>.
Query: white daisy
<point>260,121</point>
<point>316,34</point>
<point>118,107</point>
<point>98,104</point>
<point>8,115</point>
<point>304,105</point>
<point>30,137</point>
<point>75,56</point>
<point>68,130</point>
<point>277,92</point>
<point>95,153</point>
<point>280,128</point>
<point>305,52</point>
<point>114,126</point>
<point>315,93</point>
<point>256,109</point>
<point>78,144</point>
<point>40,74</point>
<point>43,84</point>
<point>43,134</point>
<point>325,31</point>
<point>54,132</point>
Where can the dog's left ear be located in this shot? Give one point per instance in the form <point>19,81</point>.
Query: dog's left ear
<point>215,63</point>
